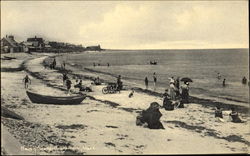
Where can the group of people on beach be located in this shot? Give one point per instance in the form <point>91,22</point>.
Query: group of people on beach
<point>51,65</point>
<point>234,116</point>
<point>78,84</point>
<point>173,98</point>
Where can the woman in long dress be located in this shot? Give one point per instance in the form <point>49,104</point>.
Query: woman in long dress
<point>172,92</point>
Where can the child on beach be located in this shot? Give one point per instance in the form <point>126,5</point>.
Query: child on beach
<point>131,94</point>
<point>26,80</point>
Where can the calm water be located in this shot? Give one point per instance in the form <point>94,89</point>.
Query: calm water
<point>200,65</point>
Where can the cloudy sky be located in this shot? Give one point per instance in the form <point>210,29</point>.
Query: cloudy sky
<point>130,25</point>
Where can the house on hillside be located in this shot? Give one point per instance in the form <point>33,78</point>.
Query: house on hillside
<point>35,44</point>
<point>9,45</point>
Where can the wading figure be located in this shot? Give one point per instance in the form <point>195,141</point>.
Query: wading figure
<point>146,82</point>
<point>224,83</point>
<point>155,80</point>
<point>26,81</point>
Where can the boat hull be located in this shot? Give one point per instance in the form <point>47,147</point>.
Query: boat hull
<point>44,99</point>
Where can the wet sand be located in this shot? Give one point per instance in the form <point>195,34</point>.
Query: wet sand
<point>105,123</point>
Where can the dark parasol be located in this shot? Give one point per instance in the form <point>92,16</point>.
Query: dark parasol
<point>186,79</point>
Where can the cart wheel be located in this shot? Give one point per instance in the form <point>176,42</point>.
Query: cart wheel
<point>105,90</point>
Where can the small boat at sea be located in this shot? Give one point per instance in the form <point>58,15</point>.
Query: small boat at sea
<point>60,100</point>
<point>153,63</point>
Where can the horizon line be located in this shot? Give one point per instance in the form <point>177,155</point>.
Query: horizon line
<point>176,49</point>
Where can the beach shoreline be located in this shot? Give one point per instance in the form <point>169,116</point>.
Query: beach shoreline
<point>136,140</point>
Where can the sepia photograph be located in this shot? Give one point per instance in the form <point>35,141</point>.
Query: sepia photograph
<point>125,77</point>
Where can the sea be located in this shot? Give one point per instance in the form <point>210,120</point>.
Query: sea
<point>201,65</point>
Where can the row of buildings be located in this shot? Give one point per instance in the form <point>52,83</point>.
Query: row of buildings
<point>36,44</point>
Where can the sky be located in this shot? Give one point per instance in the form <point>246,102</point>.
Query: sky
<point>130,24</point>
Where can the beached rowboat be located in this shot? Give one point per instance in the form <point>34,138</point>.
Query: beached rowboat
<point>60,100</point>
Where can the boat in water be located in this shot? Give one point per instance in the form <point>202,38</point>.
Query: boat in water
<point>60,100</point>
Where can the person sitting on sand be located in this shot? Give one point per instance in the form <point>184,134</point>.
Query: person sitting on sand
<point>218,112</point>
<point>165,94</point>
<point>82,87</point>
<point>131,94</point>
<point>27,81</point>
<point>97,81</point>
<point>235,116</point>
<point>150,117</point>
<point>167,103</point>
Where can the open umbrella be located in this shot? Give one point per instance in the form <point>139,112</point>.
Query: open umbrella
<point>186,79</point>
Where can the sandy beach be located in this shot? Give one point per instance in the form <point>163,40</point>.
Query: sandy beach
<point>105,123</point>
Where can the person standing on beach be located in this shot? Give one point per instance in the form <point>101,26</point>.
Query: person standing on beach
<point>224,83</point>
<point>54,63</point>
<point>65,77</point>
<point>172,90</point>
<point>68,85</point>
<point>119,83</point>
<point>64,64</point>
<point>27,81</point>
<point>177,86</point>
<point>155,80</point>
<point>185,93</point>
<point>146,82</point>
